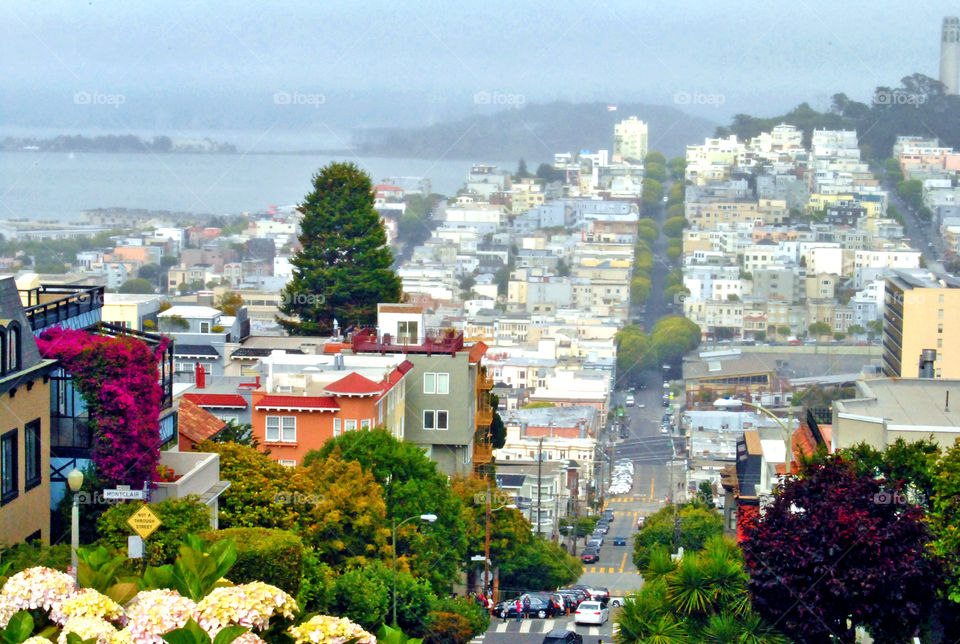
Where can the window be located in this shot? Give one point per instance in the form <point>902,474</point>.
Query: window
<point>407,332</point>
<point>429,383</point>
<point>281,429</point>
<point>8,467</point>
<point>204,327</point>
<point>336,427</point>
<point>443,383</point>
<point>442,419</point>
<point>350,425</point>
<point>32,455</point>
<point>429,419</point>
<point>13,347</point>
<point>365,424</point>
<point>288,462</point>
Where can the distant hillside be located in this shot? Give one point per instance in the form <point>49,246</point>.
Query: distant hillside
<point>919,107</point>
<point>535,132</point>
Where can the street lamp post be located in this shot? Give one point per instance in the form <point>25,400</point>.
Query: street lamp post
<point>786,431</point>
<point>429,518</point>
<point>75,482</point>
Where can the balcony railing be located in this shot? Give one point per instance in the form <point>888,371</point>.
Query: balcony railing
<point>484,382</point>
<point>56,304</point>
<point>482,453</point>
<point>444,341</point>
<point>484,417</point>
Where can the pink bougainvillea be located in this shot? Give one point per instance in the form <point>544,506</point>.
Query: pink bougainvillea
<point>119,381</point>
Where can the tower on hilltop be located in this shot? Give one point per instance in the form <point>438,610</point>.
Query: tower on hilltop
<point>950,54</point>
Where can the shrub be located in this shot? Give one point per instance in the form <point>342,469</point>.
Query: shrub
<point>447,628</point>
<point>270,555</point>
<point>317,585</point>
<point>178,517</point>
<point>362,597</point>
<point>29,555</point>
<point>476,617</point>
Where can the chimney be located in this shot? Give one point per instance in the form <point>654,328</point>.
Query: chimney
<point>200,376</point>
<point>927,358</point>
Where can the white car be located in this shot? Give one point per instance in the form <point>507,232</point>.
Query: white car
<point>591,613</point>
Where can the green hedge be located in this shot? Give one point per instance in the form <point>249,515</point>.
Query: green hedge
<point>270,555</point>
<point>178,518</point>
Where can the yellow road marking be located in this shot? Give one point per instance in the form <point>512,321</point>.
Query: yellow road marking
<point>624,562</point>
<point>593,569</point>
<point>652,482</point>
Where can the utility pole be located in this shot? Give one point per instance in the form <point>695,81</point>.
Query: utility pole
<point>539,482</point>
<point>486,545</point>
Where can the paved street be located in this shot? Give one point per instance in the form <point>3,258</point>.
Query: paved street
<point>533,631</point>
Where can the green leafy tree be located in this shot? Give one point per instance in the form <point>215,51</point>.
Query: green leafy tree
<point>673,227</point>
<point>639,290</point>
<point>697,524</point>
<point>673,337</point>
<point>412,486</point>
<point>654,157</point>
<point>137,285</point>
<point>344,268</point>
<point>818,329</point>
<point>651,193</point>
<point>655,171</point>
<point>677,167</point>
<point>228,302</point>
<point>635,353</point>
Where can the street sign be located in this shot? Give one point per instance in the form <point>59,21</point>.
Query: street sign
<point>144,522</point>
<point>124,495</point>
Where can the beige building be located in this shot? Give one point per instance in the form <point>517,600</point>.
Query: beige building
<point>24,426</point>
<point>922,311</point>
<point>886,409</point>
<point>132,311</point>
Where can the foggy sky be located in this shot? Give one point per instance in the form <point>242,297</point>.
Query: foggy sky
<point>212,63</point>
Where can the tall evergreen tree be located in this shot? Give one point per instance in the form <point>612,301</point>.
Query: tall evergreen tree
<point>344,269</point>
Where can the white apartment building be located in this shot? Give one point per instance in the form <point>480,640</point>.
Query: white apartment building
<point>630,140</point>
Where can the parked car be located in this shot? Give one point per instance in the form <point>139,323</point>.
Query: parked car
<point>596,541</point>
<point>619,541</point>
<point>590,555</point>
<point>579,593</point>
<point>601,528</point>
<point>639,522</point>
<point>616,601</point>
<point>591,613</point>
<point>601,595</point>
<point>630,401</point>
<point>563,637</point>
<point>539,607</point>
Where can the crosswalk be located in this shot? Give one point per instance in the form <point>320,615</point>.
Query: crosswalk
<point>631,499</point>
<point>608,569</point>
<point>539,626</point>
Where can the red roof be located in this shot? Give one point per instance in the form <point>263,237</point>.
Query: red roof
<point>319,403</point>
<point>354,385</point>
<point>195,425</point>
<point>382,187</point>
<point>232,401</point>
<point>336,347</point>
